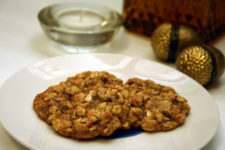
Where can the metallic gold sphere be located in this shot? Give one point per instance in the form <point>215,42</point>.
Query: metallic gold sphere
<point>203,63</point>
<point>167,40</point>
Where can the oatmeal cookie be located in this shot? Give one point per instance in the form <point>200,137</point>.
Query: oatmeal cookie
<point>87,105</point>
<point>97,103</point>
<point>155,107</point>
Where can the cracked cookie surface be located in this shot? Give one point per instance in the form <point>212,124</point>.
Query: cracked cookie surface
<point>87,105</point>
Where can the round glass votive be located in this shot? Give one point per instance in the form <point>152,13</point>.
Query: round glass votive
<point>79,27</point>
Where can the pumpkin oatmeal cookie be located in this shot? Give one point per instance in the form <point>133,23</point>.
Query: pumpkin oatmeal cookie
<point>87,105</point>
<point>155,107</point>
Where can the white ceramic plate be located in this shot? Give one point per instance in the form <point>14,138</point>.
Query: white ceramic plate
<point>19,119</point>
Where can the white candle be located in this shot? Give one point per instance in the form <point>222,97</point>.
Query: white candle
<point>81,18</point>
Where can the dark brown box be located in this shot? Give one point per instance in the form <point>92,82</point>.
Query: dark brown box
<point>205,16</point>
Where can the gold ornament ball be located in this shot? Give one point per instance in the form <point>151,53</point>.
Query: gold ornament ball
<point>167,40</point>
<point>203,63</point>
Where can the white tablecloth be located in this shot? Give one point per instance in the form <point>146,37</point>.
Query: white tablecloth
<point>22,43</point>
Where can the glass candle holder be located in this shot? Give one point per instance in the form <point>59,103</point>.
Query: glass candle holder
<point>79,27</point>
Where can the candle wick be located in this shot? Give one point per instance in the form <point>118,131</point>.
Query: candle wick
<point>105,22</point>
<point>82,15</point>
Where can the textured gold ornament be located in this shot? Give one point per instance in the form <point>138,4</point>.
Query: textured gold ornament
<point>203,63</point>
<point>168,40</point>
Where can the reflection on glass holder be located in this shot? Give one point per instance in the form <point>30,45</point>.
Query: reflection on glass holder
<point>61,49</point>
<point>79,27</point>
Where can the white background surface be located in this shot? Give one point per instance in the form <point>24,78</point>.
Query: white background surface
<point>22,43</point>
